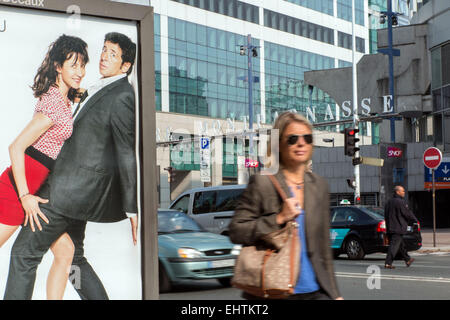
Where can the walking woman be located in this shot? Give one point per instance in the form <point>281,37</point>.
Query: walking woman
<point>261,210</point>
<point>35,150</point>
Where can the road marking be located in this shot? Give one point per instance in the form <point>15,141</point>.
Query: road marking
<point>388,277</point>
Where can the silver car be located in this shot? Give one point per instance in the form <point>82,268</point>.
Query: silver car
<point>210,207</point>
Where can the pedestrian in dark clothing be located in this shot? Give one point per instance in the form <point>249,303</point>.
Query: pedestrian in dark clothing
<point>397,217</point>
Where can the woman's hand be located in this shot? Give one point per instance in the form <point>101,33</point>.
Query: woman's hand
<point>291,209</point>
<point>30,204</point>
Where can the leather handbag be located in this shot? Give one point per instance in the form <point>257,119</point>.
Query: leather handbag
<point>270,269</point>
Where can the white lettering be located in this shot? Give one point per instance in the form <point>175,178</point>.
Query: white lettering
<point>216,126</point>
<point>230,125</point>
<point>365,107</point>
<point>374,281</point>
<point>329,114</point>
<point>387,104</point>
<point>169,134</point>
<point>181,152</point>
<point>311,113</point>
<point>74,21</point>
<point>347,110</point>
<point>193,310</point>
<point>201,128</point>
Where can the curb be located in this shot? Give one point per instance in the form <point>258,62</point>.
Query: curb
<point>433,249</point>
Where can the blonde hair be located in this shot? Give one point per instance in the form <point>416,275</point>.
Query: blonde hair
<point>282,122</point>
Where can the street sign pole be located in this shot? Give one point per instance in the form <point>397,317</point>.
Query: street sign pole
<point>432,158</point>
<point>434,208</point>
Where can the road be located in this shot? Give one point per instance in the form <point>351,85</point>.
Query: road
<point>427,279</point>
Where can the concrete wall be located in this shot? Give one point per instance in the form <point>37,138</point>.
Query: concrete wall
<point>436,14</point>
<point>415,165</point>
<point>332,164</point>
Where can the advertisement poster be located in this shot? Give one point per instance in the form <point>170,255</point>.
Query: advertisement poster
<point>25,38</point>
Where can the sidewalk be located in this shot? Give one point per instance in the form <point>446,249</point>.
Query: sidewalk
<point>442,240</point>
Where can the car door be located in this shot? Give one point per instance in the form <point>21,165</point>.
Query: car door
<point>203,209</point>
<point>226,202</point>
<point>339,226</point>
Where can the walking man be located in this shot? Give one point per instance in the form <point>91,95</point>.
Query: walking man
<point>398,217</point>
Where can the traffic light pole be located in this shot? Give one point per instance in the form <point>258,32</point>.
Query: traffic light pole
<point>250,94</point>
<point>391,52</point>
<point>357,195</point>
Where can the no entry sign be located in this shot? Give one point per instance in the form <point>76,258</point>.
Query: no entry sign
<point>432,158</point>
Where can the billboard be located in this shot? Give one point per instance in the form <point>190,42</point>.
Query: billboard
<point>92,190</point>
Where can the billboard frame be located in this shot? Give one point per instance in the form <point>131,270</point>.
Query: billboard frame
<point>143,16</point>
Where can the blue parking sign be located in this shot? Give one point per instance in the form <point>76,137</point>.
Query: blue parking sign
<point>204,143</point>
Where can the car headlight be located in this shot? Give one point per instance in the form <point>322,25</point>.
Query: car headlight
<point>189,253</point>
<point>236,250</point>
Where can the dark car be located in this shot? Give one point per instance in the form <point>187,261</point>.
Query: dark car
<point>360,230</point>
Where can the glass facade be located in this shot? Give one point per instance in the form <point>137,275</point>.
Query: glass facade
<point>206,72</point>
<point>378,5</point>
<point>232,8</point>
<point>324,6</point>
<point>298,27</point>
<point>344,10</point>
<point>285,89</point>
<point>157,39</point>
<point>440,88</point>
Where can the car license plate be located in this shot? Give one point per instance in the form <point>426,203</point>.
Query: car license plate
<point>221,263</point>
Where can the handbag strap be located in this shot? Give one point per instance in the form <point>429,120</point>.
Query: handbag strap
<point>277,186</point>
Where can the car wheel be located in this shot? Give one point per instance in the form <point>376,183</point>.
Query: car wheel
<point>226,282</point>
<point>164,282</point>
<point>354,248</point>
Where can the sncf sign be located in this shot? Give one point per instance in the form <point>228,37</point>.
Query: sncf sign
<point>394,152</point>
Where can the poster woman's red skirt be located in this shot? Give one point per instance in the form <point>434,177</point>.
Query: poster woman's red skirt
<point>37,168</point>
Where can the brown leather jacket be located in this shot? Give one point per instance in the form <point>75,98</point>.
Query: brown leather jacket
<point>255,216</point>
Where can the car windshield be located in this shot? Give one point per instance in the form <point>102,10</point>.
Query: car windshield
<point>176,222</point>
<point>373,212</point>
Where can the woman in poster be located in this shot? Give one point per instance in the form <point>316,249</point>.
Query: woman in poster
<point>35,149</point>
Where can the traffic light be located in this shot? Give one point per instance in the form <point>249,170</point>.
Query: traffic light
<point>350,141</point>
<point>394,20</point>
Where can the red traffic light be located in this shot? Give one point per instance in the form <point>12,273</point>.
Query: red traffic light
<point>351,132</point>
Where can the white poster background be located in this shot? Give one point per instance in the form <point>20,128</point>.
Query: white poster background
<point>108,247</point>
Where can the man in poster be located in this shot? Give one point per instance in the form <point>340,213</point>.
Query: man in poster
<point>94,178</point>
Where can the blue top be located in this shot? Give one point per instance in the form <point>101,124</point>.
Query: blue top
<point>307,278</point>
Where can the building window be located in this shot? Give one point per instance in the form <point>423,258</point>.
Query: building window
<point>232,8</point>
<point>324,6</point>
<point>440,83</point>
<point>207,74</point>
<point>285,89</point>
<point>344,10</point>
<point>298,27</point>
<point>345,41</point>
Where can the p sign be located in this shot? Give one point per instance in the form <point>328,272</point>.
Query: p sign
<point>204,143</point>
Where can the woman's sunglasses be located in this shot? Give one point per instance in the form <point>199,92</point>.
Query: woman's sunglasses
<point>293,138</point>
